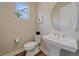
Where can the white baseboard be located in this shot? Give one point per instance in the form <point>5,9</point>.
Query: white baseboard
<point>13,53</point>
<point>20,50</point>
<point>43,50</point>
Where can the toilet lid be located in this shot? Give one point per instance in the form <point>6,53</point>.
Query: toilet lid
<point>30,44</point>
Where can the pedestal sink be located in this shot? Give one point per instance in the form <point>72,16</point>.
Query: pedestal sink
<point>61,42</point>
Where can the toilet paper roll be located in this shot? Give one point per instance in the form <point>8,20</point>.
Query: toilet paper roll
<point>17,40</point>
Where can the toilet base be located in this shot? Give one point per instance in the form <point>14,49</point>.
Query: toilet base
<point>33,52</point>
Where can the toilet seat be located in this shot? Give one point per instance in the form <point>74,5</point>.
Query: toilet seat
<point>30,45</point>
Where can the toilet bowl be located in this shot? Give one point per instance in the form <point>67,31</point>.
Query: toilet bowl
<point>33,46</point>
<point>30,46</point>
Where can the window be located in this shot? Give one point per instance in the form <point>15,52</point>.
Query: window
<point>22,10</point>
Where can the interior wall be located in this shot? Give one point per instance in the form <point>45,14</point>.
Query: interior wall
<point>45,9</point>
<point>12,27</point>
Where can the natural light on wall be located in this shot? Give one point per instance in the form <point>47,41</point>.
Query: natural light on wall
<point>22,11</point>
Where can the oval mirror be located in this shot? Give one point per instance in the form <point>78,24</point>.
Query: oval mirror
<point>63,16</point>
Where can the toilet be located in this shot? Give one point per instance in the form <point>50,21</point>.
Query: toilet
<point>33,46</point>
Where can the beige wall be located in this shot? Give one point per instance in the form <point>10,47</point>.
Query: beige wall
<point>45,10</point>
<point>11,27</point>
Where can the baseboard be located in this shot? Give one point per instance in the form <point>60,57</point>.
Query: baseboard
<point>13,53</point>
<point>43,50</point>
<point>20,50</point>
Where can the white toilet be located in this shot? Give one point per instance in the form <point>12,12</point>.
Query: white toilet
<point>33,47</point>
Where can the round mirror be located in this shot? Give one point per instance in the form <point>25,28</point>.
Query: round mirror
<point>63,16</point>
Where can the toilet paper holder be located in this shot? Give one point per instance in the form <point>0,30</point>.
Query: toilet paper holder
<point>17,40</point>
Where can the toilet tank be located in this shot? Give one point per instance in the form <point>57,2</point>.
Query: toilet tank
<point>38,37</point>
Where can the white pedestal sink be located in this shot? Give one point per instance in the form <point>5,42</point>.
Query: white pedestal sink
<point>67,43</point>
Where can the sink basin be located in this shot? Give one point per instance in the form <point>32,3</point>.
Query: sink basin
<point>67,43</point>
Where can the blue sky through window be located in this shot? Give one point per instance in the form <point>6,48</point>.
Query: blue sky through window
<point>23,9</point>
<point>20,6</point>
